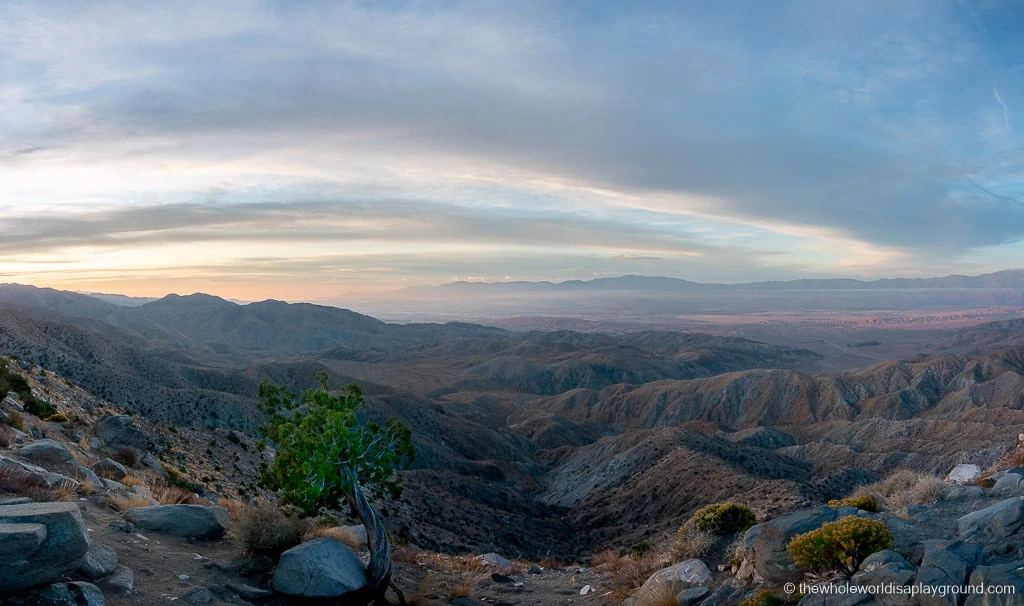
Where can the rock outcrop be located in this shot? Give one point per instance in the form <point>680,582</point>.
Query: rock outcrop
<point>765,544</point>
<point>39,542</point>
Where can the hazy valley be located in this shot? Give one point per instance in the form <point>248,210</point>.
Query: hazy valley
<point>580,433</point>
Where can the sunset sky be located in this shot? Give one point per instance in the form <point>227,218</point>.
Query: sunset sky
<point>305,150</point>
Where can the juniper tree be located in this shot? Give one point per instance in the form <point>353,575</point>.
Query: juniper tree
<point>328,455</point>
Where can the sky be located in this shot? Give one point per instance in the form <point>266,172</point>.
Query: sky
<point>308,150</point>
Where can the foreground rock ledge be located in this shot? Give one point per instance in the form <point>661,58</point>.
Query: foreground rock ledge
<point>30,555</point>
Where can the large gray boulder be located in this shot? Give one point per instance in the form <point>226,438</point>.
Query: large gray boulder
<point>197,521</point>
<point>765,544</point>
<point>994,578</point>
<point>87,475</point>
<point>39,542</point>
<point>49,452</point>
<point>999,521</point>
<point>945,564</point>
<point>317,569</point>
<point>118,431</point>
<point>1008,482</point>
<point>673,580</point>
<point>886,568</point>
<point>964,473</point>
<point>110,469</point>
<point>100,561</point>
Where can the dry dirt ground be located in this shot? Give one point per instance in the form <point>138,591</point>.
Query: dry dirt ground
<point>166,567</point>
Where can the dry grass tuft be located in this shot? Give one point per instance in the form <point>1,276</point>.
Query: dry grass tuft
<point>86,488</point>
<point>131,501</point>
<point>904,487</point>
<point>265,531</point>
<point>126,456</point>
<point>662,596</point>
<point>234,507</point>
<point>16,420</point>
<point>132,480</point>
<point>464,585</point>
<point>551,562</point>
<point>694,543</point>
<point>66,490</point>
<point>406,554</point>
<point>333,532</point>
<point>174,495</point>
<point>625,573</point>
<point>453,564</point>
<point>7,436</point>
<point>23,484</point>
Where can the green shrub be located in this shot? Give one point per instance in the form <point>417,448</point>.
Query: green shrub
<point>10,381</point>
<point>840,545</point>
<point>639,550</point>
<point>865,502</point>
<point>723,518</point>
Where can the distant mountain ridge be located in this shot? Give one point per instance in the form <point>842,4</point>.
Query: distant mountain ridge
<point>1011,278</point>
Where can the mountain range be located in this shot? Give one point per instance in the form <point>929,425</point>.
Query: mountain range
<point>1013,279</point>
<point>546,441</point>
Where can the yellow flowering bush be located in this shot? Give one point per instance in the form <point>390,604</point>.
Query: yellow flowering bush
<point>842,544</point>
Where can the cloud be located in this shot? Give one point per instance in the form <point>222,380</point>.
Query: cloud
<point>542,127</point>
<point>1002,104</point>
<point>637,257</point>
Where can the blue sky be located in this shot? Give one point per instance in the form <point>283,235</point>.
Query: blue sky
<point>306,150</point>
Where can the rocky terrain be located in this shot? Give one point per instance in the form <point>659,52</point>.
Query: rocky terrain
<point>95,509</point>
<point>542,444</point>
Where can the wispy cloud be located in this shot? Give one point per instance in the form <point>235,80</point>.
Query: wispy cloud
<point>1002,104</point>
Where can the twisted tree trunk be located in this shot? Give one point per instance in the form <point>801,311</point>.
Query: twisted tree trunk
<point>378,570</point>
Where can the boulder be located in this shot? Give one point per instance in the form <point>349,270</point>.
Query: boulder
<point>30,555</point>
<point>72,594</point>
<point>110,469</point>
<point>488,559</point>
<point>691,596</point>
<point>248,592</point>
<point>944,564</point>
<point>1011,574</point>
<point>320,568</point>
<point>727,593</point>
<point>197,521</point>
<point>964,473</point>
<point>999,521</point>
<point>765,544</point>
<point>100,561</point>
<point>49,452</point>
<point>118,430</point>
<point>197,595</point>
<point>886,568</point>
<point>86,475</point>
<point>122,581</point>
<point>36,473</point>
<point>153,464</point>
<point>1008,482</point>
<point>673,580</point>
